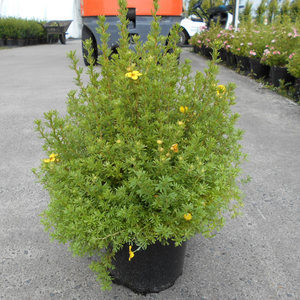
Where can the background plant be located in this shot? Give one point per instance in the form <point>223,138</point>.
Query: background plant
<point>283,40</point>
<point>294,63</point>
<point>260,37</point>
<point>17,28</point>
<point>146,151</point>
<point>242,39</point>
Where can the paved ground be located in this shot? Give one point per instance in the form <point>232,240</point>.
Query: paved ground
<point>254,257</point>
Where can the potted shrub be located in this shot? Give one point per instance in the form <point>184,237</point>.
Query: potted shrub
<point>2,33</point>
<point>10,31</point>
<point>259,40</point>
<point>241,41</point>
<point>277,52</point>
<point>148,155</point>
<point>21,30</point>
<point>294,69</point>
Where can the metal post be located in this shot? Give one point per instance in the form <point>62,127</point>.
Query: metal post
<point>236,14</point>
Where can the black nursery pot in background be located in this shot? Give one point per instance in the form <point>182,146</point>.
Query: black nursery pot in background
<point>149,271</point>
<point>259,69</point>
<point>281,73</point>
<point>243,62</point>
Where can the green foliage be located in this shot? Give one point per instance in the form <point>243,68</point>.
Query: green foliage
<point>285,8</point>
<point>17,28</point>
<point>295,10</point>
<point>272,10</point>
<point>246,14</point>
<point>294,63</point>
<point>142,144</point>
<point>241,40</point>
<point>260,12</point>
<point>283,40</point>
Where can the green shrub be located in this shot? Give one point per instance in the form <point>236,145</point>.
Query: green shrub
<point>294,64</point>
<point>146,151</point>
<point>17,28</point>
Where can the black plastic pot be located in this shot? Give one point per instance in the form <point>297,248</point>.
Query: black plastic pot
<point>279,73</point>
<point>243,62</point>
<point>10,42</point>
<point>208,52</point>
<point>196,49</point>
<point>296,95</point>
<point>223,54</point>
<point>149,271</point>
<point>21,43</point>
<point>230,59</point>
<point>259,69</point>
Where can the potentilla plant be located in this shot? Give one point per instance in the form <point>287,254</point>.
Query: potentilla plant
<point>242,40</point>
<point>283,42</point>
<point>259,39</point>
<point>294,64</point>
<point>147,152</point>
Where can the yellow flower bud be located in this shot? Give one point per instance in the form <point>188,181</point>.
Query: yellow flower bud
<point>159,142</point>
<point>174,148</point>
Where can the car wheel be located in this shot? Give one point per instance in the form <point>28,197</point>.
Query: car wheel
<point>182,40</point>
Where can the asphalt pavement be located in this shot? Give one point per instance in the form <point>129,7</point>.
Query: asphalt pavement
<point>256,256</point>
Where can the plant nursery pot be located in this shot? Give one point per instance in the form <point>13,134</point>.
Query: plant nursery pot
<point>223,54</point>
<point>149,271</point>
<point>10,42</point>
<point>196,49</point>
<point>280,73</point>
<point>243,62</point>
<point>259,69</point>
<point>207,52</point>
<point>230,59</point>
<point>20,43</point>
<point>296,95</point>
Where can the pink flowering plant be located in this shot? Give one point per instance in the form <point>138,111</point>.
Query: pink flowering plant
<point>241,40</point>
<point>294,63</point>
<point>258,38</point>
<point>146,152</point>
<point>284,39</point>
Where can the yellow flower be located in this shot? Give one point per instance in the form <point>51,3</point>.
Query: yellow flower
<point>180,123</point>
<point>131,254</point>
<point>221,90</point>
<point>51,158</point>
<point>174,148</point>
<point>183,109</point>
<point>159,142</point>
<point>133,75</point>
<point>187,216</point>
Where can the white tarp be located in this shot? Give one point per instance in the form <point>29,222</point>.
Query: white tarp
<point>45,10</point>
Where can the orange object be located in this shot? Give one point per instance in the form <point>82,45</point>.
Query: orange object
<point>143,7</point>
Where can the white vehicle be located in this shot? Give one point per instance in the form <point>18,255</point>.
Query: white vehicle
<point>195,23</point>
<point>190,26</point>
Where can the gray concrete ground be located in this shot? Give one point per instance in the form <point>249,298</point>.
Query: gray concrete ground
<point>254,257</point>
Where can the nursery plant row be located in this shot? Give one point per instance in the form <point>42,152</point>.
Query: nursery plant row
<point>17,31</point>
<point>270,52</point>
